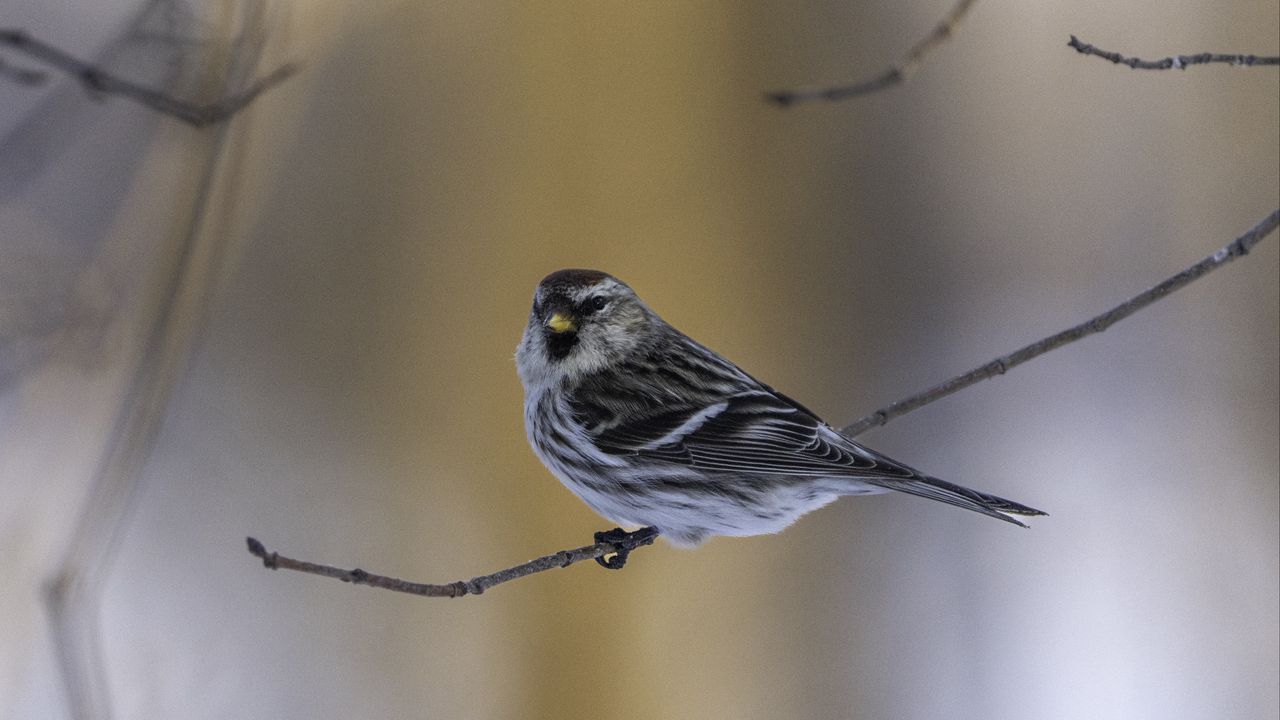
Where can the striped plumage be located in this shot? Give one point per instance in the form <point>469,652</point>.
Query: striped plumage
<point>650,428</point>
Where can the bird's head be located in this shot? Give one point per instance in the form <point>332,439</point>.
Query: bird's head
<point>582,321</point>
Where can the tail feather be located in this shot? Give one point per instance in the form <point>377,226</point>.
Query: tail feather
<point>958,495</point>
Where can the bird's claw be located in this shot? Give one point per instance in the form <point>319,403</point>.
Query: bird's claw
<point>623,542</point>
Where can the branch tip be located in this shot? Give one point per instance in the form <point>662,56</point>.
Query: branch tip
<point>270,560</point>
<point>781,98</point>
<point>255,547</point>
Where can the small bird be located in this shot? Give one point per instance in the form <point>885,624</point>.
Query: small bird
<point>651,428</point>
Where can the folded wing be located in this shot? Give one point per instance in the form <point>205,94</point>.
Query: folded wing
<point>762,432</point>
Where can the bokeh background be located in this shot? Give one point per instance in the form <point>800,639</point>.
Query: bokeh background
<point>300,326</point>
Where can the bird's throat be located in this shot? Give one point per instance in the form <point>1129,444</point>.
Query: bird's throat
<point>560,344</point>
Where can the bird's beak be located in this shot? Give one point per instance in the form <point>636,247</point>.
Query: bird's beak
<point>560,322</point>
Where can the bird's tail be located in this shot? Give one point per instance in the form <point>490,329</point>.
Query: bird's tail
<point>960,496</point>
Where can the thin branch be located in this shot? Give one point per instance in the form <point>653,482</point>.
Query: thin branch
<point>21,75</point>
<point>474,586</point>
<point>96,80</point>
<point>1096,324</point>
<point>895,75</point>
<point>1177,62</point>
<point>623,543</point>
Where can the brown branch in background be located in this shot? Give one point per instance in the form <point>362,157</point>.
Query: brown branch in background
<point>1096,324</point>
<point>96,80</point>
<point>895,75</point>
<point>625,542</point>
<point>1177,62</point>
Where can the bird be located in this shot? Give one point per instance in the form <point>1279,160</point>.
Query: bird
<point>651,428</point>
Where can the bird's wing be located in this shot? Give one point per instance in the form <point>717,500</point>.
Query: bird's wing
<point>704,413</point>
<point>762,432</point>
<point>757,431</point>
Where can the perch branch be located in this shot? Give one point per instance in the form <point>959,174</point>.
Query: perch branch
<point>1096,324</point>
<point>895,75</point>
<point>624,543</point>
<point>474,586</point>
<point>1177,62</point>
<point>96,80</point>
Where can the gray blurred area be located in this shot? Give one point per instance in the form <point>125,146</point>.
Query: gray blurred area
<point>300,326</point>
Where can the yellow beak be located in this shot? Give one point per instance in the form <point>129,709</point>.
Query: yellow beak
<point>559,322</point>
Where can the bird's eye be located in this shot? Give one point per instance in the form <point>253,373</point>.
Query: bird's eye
<point>597,303</point>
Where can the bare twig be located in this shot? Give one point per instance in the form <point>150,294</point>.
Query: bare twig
<point>895,75</point>
<point>474,586</point>
<point>564,558</point>
<point>1096,324</point>
<point>1177,62</point>
<point>96,80</point>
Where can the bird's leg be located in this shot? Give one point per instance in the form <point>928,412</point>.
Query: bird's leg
<point>625,542</point>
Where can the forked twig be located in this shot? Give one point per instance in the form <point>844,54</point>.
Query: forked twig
<point>96,80</point>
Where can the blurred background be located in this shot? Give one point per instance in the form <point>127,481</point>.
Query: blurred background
<point>300,325</point>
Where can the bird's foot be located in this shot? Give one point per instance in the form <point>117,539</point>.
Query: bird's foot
<point>623,542</point>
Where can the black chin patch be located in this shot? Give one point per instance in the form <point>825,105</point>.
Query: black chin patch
<point>559,345</point>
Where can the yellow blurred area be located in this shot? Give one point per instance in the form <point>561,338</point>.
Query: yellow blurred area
<point>338,378</point>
